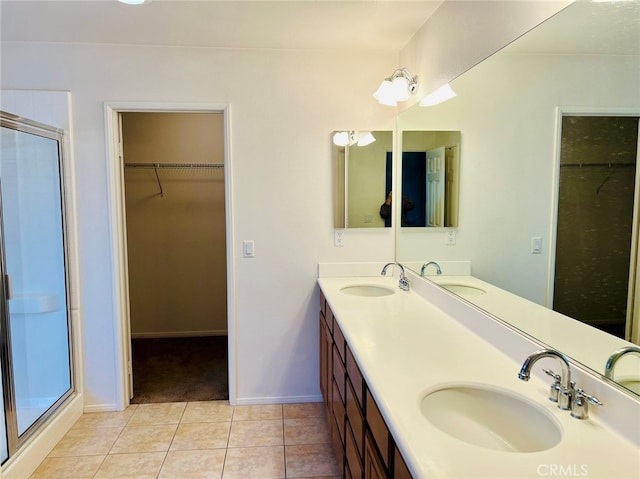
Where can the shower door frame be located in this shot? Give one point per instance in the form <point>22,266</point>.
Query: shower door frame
<point>14,440</point>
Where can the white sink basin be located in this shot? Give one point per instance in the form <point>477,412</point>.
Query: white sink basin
<point>369,290</point>
<point>490,417</point>
<point>462,289</point>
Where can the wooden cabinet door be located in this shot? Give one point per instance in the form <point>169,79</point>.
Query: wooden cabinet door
<point>400,469</point>
<point>373,468</point>
<point>326,371</point>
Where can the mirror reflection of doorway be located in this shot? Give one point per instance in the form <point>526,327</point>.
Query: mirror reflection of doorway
<point>176,251</point>
<point>595,251</point>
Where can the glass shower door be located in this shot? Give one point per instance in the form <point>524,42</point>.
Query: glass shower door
<point>36,316</point>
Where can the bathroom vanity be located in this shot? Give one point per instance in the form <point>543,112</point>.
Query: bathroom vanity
<point>412,391</point>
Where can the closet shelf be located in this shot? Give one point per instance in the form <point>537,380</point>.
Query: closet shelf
<point>174,165</point>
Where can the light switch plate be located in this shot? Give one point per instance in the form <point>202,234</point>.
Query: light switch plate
<point>536,245</point>
<point>247,249</point>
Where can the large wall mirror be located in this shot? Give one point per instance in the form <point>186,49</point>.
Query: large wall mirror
<point>362,162</point>
<point>519,111</point>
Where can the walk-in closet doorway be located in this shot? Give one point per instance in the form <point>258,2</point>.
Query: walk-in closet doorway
<point>173,243</point>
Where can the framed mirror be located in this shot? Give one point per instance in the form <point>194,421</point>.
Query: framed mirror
<point>362,162</point>
<point>583,62</point>
<point>429,172</point>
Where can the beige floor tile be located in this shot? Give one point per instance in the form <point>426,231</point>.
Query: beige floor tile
<point>310,430</point>
<point>144,439</point>
<point>256,433</point>
<point>106,419</point>
<point>193,464</point>
<point>300,410</point>
<point>158,413</point>
<point>311,460</point>
<point>208,435</point>
<point>68,467</point>
<point>131,466</point>
<point>207,411</point>
<point>86,442</point>
<point>314,477</point>
<point>254,463</point>
<point>253,413</point>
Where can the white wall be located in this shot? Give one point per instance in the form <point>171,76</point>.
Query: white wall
<point>283,107</point>
<point>462,33</point>
<point>284,104</point>
<point>506,110</point>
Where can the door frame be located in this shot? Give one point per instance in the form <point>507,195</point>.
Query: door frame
<point>117,219</point>
<point>632,324</point>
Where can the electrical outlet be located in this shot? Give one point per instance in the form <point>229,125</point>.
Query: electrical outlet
<point>338,238</point>
<point>450,237</point>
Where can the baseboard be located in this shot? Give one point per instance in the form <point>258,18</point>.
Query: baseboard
<point>101,408</point>
<point>40,445</point>
<point>277,400</point>
<point>178,334</point>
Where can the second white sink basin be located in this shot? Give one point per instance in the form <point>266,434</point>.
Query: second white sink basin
<point>633,384</point>
<point>462,289</point>
<point>490,417</point>
<point>369,290</point>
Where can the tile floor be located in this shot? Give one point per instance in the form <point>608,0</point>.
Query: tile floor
<point>189,440</point>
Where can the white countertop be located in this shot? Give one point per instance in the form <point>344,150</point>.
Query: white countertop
<point>578,340</point>
<point>406,347</point>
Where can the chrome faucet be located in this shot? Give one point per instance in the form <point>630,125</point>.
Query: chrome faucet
<point>426,265</point>
<point>403,284</point>
<point>566,392</point>
<point>613,359</point>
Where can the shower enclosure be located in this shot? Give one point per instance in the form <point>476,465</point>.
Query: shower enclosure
<point>35,327</point>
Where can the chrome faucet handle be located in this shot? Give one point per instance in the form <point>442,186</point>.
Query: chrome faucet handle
<point>580,405</point>
<point>566,395</point>
<point>554,390</point>
<point>403,284</point>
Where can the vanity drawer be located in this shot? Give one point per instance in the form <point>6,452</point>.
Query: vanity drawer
<point>338,339</point>
<point>339,374</point>
<point>338,411</point>
<point>355,376</point>
<point>353,458</point>
<point>355,419</point>
<point>378,429</point>
<point>329,318</point>
<point>400,469</point>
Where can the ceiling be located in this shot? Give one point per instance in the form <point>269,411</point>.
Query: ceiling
<point>586,27</point>
<point>294,24</point>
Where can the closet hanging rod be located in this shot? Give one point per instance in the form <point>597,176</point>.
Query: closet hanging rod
<point>175,165</point>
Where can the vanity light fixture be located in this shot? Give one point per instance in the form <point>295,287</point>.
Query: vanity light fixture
<point>342,138</point>
<point>350,138</point>
<point>442,94</point>
<point>365,138</point>
<point>398,87</point>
